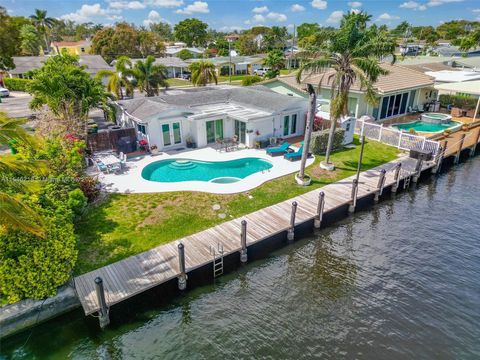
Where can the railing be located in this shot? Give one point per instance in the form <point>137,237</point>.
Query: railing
<point>399,139</point>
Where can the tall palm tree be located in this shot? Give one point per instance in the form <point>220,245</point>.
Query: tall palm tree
<point>43,24</point>
<point>13,212</point>
<point>150,77</point>
<point>118,78</point>
<point>203,73</point>
<point>275,60</point>
<point>353,54</point>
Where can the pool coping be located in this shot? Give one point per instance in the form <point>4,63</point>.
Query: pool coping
<point>131,180</point>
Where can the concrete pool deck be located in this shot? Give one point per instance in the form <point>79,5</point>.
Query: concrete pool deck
<point>131,180</point>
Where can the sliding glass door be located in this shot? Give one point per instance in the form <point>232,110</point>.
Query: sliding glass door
<point>171,134</point>
<point>214,130</point>
<point>240,131</point>
<point>394,105</point>
<point>289,125</point>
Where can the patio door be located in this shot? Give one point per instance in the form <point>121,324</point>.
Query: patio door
<point>171,134</point>
<point>240,131</point>
<point>214,130</point>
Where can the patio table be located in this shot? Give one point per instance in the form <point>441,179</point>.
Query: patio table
<point>109,160</point>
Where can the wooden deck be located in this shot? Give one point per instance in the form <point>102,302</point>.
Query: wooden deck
<point>141,272</point>
<point>454,140</point>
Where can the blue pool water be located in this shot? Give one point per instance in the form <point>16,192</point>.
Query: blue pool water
<point>222,172</point>
<point>421,126</point>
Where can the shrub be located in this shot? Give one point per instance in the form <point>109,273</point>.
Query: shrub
<point>90,187</point>
<point>76,201</point>
<point>271,74</point>
<point>184,54</point>
<point>251,79</point>
<point>318,144</point>
<point>16,84</point>
<point>461,101</point>
<point>33,267</point>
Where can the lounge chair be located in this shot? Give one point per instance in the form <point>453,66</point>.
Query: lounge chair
<point>278,150</point>
<point>297,155</point>
<point>101,166</point>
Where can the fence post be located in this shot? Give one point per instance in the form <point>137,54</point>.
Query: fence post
<point>459,151</point>
<point>400,139</point>
<point>243,241</point>
<point>353,199</point>
<point>418,171</point>
<point>182,278</point>
<point>398,167</point>
<point>381,183</point>
<point>380,133</point>
<point>317,222</point>
<point>291,230</point>
<point>103,317</point>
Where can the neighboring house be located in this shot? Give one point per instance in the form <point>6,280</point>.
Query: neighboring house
<point>455,51</point>
<point>239,64</point>
<point>81,47</point>
<point>173,50</point>
<point>203,115</point>
<point>24,64</point>
<point>453,76</point>
<point>399,92</point>
<point>175,66</point>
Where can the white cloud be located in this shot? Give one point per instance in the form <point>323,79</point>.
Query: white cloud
<point>413,5</point>
<point>277,17</point>
<point>153,16</point>
<point>164,3</point>
<point>432,3</point>
<point>319,4</point>
<point>387,17</point>
<point>260,9</point>
<point>196,7</point>
<point>132,5</point>
<point>231,28</point>
<point>355,4</point>
<point>335,17</point>
<point>256,19</point>
<point>297,8</point>
<point>88,12</point>
<point>476,11</point>
<point>355,11</point>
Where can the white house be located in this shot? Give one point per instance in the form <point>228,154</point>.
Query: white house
<point>203,115</point>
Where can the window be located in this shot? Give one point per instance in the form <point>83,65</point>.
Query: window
<point>214,130</point>
<point>394,105</point>
<point>142,128</point>
<point>286,123</point>
<point>294,124</point>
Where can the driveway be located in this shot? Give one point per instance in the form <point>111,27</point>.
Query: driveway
<point>16,105</point>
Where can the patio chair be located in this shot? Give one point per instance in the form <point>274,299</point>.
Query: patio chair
<point>297,155</point>
<point>101,166</point>
<point>219,144</point>
<point>278,150</point>
<point>115,168</point>
<point>421,108</point>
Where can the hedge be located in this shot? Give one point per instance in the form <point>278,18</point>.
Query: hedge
<point>16,84</point>
<point>318,144</point>
<point>251,79</point>
<point>461,101</point>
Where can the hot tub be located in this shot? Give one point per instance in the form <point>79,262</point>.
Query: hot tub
<point>436,118</point>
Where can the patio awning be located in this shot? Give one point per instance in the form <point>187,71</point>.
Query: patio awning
<point>466,87</point>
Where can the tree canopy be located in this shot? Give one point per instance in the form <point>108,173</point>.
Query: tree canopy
<point>192,32</point>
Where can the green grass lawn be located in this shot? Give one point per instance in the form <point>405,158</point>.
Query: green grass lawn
<point>126,224</point>
<point>234,78</point>
<point>178,82</point>
<point>287,71</point>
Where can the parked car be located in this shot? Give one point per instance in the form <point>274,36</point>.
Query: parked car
<point>4,92</point>
<point>186,76</point>
<point>261,71</point>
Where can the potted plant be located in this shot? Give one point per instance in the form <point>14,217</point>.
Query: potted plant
<point>446,132</point>
<point>190,143</point>
<point>143,145</point>
<point>465,127</point>
<point>154,149</point>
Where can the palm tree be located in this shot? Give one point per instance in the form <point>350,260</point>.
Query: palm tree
<point>13,212</point>
<point>150,77</point>
<point>275,61</point>
<point>118,78</point>
<point>353,54</point>
<point>43,23</point>
<point>203,73</point>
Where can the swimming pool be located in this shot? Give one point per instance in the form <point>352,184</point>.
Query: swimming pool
<point>421,126</point>
<point>221,172</point>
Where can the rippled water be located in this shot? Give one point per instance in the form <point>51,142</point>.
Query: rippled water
<point>399,282</point>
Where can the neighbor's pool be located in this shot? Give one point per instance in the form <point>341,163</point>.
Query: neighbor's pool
<point>221,172</point>
<point>420,126</point>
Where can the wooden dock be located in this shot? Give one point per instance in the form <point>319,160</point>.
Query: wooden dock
<point>136,274</point>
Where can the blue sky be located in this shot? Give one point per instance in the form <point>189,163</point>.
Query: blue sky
<point>229,15</point>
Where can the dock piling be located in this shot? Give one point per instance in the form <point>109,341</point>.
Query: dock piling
<point>398,167</point>
<point>243,241</point>
<point>103,317</point>
<point>474,147</point>
<point>317,222</point>
<point>459,151</point>
<point>381,183</point>
<point>182,278</point>
<point>291,230</point>
<point>353,200</point>
<point>418,171</point>
<point>443,150</point>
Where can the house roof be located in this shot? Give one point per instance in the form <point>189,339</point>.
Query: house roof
<point>71,43</point>
<point>23,64</point>
<point>454,76</point>
<point>398,78</point>
<point>435,66</point>
<point>171,50</point>
<point>172,61</point>
<point>472,62</point>
<point>249,102</point>
<point>235,60</point>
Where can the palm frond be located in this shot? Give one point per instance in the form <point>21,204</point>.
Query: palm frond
<point>16,215</point>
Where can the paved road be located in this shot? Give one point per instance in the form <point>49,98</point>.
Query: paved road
<point>16,105</point>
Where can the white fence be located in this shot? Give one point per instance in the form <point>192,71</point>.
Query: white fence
<point>399,139</point>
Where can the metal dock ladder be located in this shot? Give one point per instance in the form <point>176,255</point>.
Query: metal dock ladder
<point>406,181</point>
<point>217,260</point>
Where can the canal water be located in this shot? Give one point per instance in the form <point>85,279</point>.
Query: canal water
<point>401,281</point>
